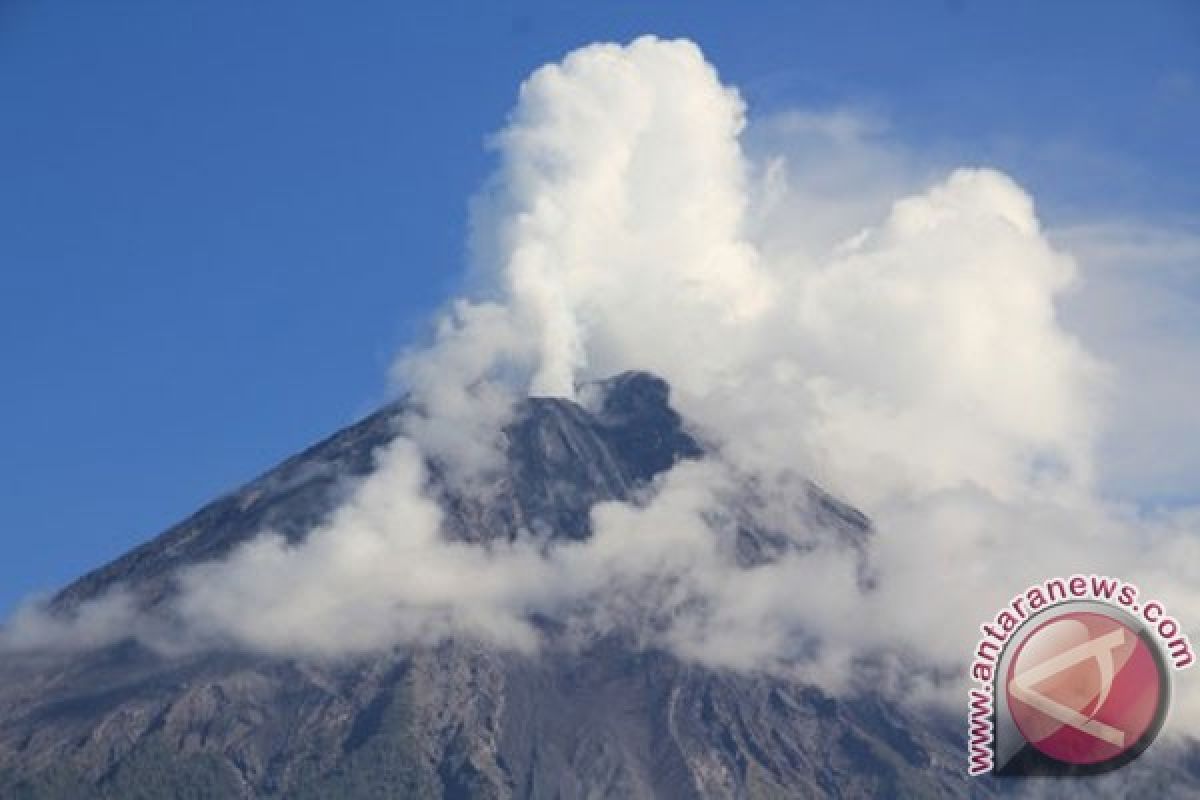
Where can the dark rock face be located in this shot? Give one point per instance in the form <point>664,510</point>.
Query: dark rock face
<point>561,461</point>
<point>460,720</point>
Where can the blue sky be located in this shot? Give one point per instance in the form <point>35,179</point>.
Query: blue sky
<point>219,221</point>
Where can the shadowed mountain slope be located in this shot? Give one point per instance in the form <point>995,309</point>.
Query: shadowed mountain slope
<point>460,720</point>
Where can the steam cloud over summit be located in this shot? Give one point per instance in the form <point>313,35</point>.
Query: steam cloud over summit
<point>916,366</point>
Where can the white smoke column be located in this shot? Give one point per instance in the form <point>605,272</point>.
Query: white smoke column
<point>616,217</point>
<point>613,221</point>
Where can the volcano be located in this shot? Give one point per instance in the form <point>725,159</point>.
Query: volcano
<point>459,719</point>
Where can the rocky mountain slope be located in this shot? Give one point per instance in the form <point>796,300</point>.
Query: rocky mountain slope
<point>460,720</point>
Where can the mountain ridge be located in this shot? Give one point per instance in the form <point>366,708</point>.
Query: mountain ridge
<point>459,719</point>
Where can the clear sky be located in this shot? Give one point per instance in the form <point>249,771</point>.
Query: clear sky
<point>219,220</point>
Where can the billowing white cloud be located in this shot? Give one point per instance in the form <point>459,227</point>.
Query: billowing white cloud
<point>902,345</point>
<point>376,573</point>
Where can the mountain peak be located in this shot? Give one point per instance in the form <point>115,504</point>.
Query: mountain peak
<point>459,719</point>
<point>560,460</point>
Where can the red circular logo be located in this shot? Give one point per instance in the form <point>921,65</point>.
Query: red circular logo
<point>1085,688</point>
